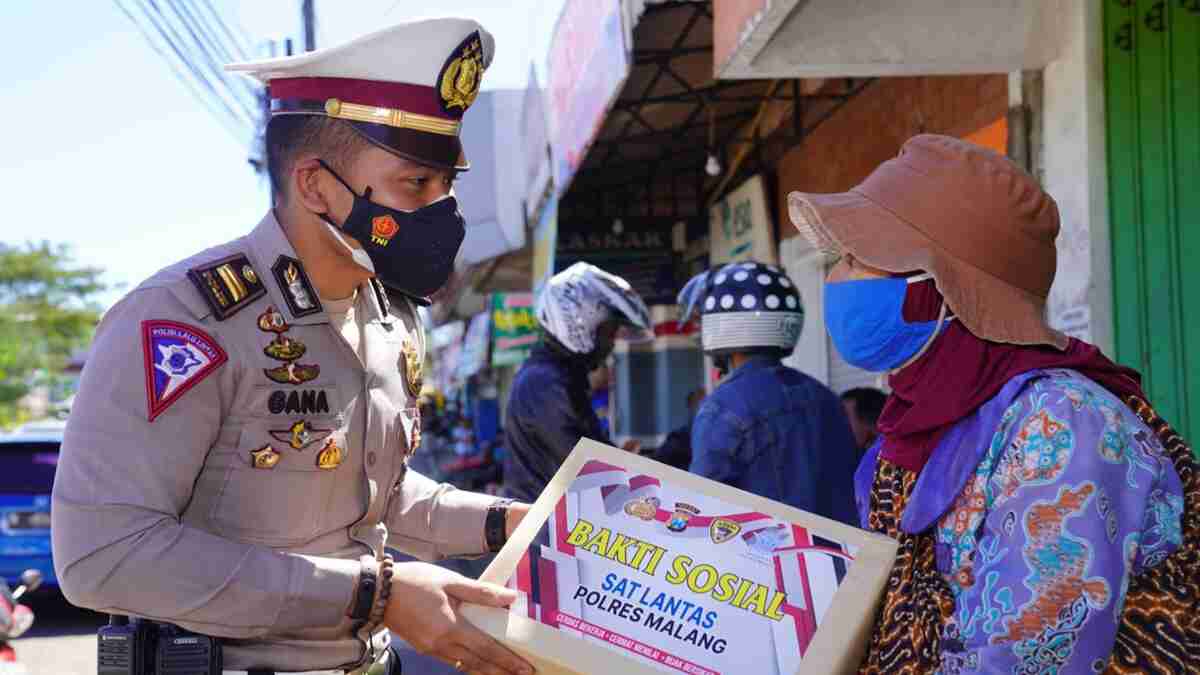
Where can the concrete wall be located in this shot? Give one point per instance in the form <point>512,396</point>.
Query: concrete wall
<point>871,128</point>
<point>1075,173</point>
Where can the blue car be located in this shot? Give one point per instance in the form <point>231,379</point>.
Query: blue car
<point>27,462</point>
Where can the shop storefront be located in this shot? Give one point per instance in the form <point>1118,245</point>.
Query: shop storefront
<point>1097,98</point>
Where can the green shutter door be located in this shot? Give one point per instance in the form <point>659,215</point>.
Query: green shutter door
<point>1152,64</point>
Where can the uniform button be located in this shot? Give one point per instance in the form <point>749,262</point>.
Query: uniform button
<point>370,459</point>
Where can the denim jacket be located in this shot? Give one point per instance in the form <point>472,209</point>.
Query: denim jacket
<point>776,432</point>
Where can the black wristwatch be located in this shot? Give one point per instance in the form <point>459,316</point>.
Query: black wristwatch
<point>364,595</point>
<point>494,527</point>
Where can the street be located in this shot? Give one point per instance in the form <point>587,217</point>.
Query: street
<point>63,638</point>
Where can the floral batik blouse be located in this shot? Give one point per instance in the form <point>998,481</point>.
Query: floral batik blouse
<point>1021,535</point>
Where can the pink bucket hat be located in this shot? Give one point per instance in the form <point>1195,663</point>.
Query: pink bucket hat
<point>982,227</point>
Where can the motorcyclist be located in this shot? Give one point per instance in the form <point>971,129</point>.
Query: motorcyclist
<point>767,428</point>
<point>14,621</point>
<point>581,312</point>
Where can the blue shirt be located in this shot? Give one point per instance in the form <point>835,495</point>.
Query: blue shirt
<point>776,432</point>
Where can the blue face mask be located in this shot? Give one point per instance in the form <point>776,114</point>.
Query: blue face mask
<point>865,319</point>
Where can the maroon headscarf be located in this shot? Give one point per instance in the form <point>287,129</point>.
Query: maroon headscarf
<point>961,372</point>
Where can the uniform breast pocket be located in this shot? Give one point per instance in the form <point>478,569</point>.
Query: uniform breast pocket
<point>278,485</point>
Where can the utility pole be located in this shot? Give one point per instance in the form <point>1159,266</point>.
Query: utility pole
<point>310,25</point>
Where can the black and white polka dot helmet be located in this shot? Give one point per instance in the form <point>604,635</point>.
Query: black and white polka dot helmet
<point>743,305</point>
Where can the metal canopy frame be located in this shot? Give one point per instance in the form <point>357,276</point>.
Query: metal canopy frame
<point>648,159</point>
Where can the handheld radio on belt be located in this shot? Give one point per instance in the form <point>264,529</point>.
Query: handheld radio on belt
<point>150,648</point>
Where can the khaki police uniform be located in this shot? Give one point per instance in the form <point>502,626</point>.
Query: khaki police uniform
<point>242,508</point>
<point>232,463</point>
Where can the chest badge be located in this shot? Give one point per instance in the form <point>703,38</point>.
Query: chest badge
<point>292,373</point>
<point>331,455</point>
<point>265,457</point>
<point>300,435</point>
<point>411,367</point>
<point>284,348</point>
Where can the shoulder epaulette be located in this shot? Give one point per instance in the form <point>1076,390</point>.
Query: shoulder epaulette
<point>227,285</point>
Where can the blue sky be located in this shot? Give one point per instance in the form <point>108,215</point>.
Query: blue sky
<point>104,149</point>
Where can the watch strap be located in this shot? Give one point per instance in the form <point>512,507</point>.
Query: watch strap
<point>494,525</point>
<point>364,593</point>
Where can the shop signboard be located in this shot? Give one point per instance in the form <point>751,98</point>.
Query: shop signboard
<point>626,565</point>
<point>514,328</point>
<point>588,64</point>
<point>447,345</point>
<point>740,226</point>
<point>640,250</point>
<point>545,241</point>
<point>535,145</point>
<point>475,346</point>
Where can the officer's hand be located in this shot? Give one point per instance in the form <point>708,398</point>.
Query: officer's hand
<point>632,445</point>
<point>423,611</point>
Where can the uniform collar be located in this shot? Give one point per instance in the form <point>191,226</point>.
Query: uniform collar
<point>288,284</point>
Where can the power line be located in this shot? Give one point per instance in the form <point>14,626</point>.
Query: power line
<point>228,122</point>
<point>212,80</point>
<point>214,53</point>
<point>242,52</point>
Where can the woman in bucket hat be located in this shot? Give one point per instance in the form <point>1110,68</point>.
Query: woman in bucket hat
<point>1047,516</point>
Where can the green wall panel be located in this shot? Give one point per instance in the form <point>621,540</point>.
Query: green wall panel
<point>1152,71</point>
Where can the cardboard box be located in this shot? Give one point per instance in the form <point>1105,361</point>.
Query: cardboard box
<point>628,565</point>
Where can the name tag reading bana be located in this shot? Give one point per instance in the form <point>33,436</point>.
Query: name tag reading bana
<point>627,565</point>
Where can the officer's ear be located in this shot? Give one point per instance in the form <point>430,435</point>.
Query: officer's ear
<point>312,186</point>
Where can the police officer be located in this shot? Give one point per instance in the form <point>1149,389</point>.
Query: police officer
<point>767,428</point>
<point>236,461</point>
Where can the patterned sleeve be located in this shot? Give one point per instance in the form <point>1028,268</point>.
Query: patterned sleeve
<point>1072,499</point>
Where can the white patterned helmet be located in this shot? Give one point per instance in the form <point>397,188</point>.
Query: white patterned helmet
<point>743,306</point>
<point>578,299</point>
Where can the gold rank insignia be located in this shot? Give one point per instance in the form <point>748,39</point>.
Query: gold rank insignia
<point>298,291</point>
<point>411,367</point>
<point>264,458</point>
<point>330,456</point>
<point>227,285</point>
<point>459,80</point>
<point>300,435</point>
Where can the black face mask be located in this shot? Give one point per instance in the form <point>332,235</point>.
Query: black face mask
<point>412,251</point>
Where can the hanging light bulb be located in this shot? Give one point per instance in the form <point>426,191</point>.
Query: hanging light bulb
<point>712,167</point>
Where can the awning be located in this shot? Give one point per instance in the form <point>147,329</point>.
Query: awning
<point>650,155</point>
<point>491,194</point>
<point>869,38</point>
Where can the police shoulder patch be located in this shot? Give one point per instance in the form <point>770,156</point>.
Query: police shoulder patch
<point>178,357</point>
<point>228,284</point>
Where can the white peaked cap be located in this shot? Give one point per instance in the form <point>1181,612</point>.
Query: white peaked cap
<point>405,87</point>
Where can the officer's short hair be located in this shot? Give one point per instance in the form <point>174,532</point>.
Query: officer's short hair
<point>288,136</point>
